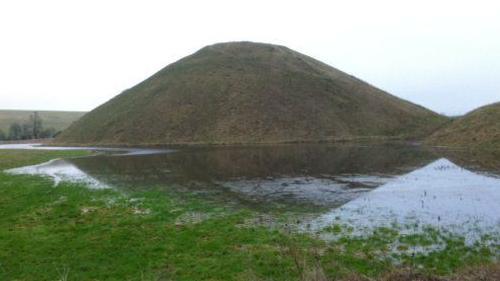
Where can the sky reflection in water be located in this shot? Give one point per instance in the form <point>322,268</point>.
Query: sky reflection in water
<point>373,185</point>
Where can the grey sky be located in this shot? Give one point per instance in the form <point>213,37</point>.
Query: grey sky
<point>75,55</point>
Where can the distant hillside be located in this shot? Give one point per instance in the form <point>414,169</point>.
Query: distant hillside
<point>58,120</point>
<point>479,128</point>
<point>247,92</point>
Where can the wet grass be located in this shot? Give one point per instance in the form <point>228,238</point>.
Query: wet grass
<point>18,158</point>
<point>70,232</point>
<point>429,250</point>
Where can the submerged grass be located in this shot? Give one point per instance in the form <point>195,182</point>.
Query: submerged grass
<point>70,232</point>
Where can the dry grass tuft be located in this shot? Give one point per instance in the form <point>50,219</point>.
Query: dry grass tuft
<point>480,273</point>
<point>476,273</point>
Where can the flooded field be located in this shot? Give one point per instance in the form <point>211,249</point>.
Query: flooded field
<point>360,187</point>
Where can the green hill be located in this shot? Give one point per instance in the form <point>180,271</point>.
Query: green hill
<point>245,92</point>
<point>58,120</point>
<point>479,128</point>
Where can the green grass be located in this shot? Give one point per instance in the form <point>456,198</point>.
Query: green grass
<point>58,120</point>
<point>18,158</point>
<point>49,233</point>
<point>418,251</point>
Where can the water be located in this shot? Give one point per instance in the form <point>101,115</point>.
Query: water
<point>60,170</point>
<point>312,175</point>
<point>363,186</point>
<point>112,151</point>
<point>441,194</point>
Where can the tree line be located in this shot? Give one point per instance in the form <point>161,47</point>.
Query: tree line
<point>30,129</point>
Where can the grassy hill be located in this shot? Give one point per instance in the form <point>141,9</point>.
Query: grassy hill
<point>479,129</point>
<point>245,92</point>
<point>58,120</point>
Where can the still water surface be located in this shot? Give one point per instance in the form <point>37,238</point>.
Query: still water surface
<point>364,186</point>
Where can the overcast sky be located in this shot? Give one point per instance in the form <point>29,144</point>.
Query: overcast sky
<point>76,55</point>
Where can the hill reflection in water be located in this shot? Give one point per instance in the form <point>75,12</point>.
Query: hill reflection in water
<point>312,174</point>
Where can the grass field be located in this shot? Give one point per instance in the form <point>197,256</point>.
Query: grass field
<point>58,120</point>
<point>70,232</point>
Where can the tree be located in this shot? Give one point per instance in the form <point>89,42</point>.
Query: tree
<point>36,123</point>
<point>48,133</point>
<point>15,131</point>
<point>27,131</point>
<point>2,136</point>
<point>31,129</point>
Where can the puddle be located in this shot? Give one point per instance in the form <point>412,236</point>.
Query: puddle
<point>440,195</point>
<point>59,170</point>
<point>320,185</point>
<point>315,191</point>
<point>113,151</point>
<point>313,176</point>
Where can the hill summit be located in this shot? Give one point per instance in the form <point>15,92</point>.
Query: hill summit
<point>479,128</point>
<point>244,92</point>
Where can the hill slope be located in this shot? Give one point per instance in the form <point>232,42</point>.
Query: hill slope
<point>247,92</point>
<point>58,120</point>
<point>479,128</point>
